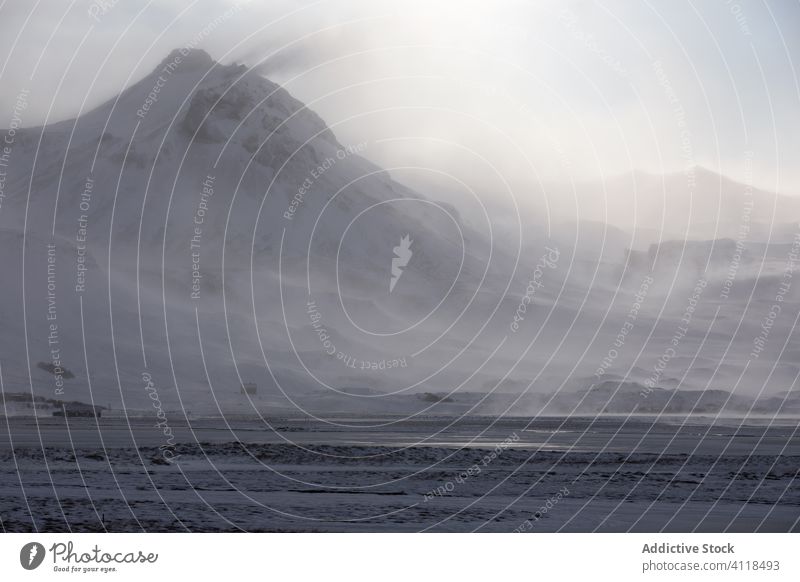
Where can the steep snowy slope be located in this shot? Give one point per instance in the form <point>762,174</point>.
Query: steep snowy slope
<point>206,199</point>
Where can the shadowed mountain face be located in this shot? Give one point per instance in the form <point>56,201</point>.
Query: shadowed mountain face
<point>205,229</point>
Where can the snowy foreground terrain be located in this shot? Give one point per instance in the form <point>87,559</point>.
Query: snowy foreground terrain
<point>382,474</point>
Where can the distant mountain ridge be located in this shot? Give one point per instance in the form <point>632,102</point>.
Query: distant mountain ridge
<point>696,204</point>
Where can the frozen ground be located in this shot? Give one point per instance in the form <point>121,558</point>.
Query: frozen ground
<point>384,474</point>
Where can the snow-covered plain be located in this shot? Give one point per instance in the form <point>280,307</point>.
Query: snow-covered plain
<point>385,474</point>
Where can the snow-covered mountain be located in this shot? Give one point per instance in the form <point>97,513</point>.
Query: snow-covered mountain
<point>206,202</point>
<point>205,229</point>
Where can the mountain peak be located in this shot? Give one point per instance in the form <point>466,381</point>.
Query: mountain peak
<point>188,58</point>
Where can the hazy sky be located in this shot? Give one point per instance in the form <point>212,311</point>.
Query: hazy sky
<point>539,90</point>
